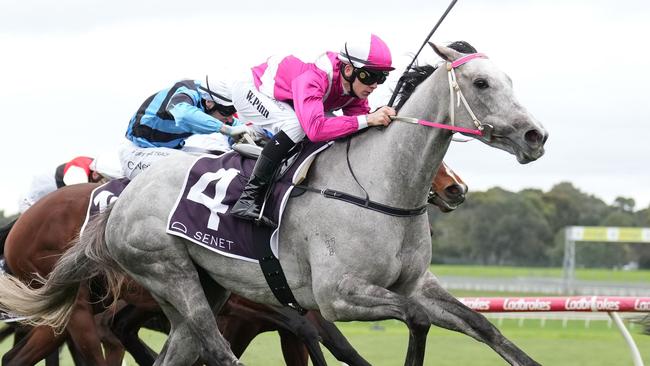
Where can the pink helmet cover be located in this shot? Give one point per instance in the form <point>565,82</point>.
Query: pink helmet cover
<point>379,57</point>
<point>369,52</point>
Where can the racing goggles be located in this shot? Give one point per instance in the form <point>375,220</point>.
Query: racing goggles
<point>224,110</point>
<point>369,77</point>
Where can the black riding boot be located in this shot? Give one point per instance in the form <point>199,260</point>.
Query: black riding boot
<point>252,198</point>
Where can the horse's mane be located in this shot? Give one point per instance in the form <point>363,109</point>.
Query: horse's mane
<point>417,74</point>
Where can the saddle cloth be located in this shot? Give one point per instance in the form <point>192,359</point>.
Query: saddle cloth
<point>211,188</point>
<point>102,197</point>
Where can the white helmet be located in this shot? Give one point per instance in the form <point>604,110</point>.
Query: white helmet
<point>75,175</point>
<point>108,165</point>
<point>216,90</point>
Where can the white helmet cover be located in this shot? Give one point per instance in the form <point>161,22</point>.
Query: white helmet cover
<point>75,175</point>
<point>216,90</point>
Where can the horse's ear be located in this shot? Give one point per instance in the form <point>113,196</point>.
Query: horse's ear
<point>446,53</point>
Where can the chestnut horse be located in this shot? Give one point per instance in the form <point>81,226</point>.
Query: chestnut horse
<point>39,236</point>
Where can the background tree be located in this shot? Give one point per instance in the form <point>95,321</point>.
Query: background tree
<point>499,227</point>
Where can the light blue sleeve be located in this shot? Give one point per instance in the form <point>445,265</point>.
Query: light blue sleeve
<point>235,122</point>
<point>193,119</point>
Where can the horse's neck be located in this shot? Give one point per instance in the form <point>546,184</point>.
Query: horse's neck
<point>403,158</point>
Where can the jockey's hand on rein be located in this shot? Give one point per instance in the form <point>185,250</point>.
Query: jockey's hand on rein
<point>380,117</point>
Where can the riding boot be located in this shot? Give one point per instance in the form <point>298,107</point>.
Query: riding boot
<point>250,202</point>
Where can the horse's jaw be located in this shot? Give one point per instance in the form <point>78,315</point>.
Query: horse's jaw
<point>526,144</point>
<point>523,154</point>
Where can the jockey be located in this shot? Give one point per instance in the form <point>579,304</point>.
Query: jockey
<point>77,170</point>
<point>168,118</point>
<point>293,99</point>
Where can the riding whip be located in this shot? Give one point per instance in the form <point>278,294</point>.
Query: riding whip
<point>400,82</point>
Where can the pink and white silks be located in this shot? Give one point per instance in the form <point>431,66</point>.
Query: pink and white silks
<point>315,90</point>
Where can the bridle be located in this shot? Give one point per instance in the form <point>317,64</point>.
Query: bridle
<point>455,98</point>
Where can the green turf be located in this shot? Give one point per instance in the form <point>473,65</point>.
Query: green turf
<point>550,345</point>
<point>592,274</point>
<point>384,343</point>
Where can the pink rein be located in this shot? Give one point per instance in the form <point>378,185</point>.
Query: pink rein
<point>437,125</point>
<point>470,131</point>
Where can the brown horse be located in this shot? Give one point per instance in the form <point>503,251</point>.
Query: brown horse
<point>34,244</point>
<point>43,232</point>
<point>447,189</point>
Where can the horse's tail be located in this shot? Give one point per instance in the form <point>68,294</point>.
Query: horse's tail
<point>4,233</point>
<point>52,301</point>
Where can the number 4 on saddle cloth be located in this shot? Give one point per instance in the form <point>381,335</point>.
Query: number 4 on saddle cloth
<point>213,185</point>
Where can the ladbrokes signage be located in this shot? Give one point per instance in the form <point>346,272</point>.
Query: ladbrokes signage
<point>573,303</point>
<point>526,305</point>
<point>592,303</point>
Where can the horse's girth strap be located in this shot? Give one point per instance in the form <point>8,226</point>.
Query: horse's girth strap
<point>272,270</point>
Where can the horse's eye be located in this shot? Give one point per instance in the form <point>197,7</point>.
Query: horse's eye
<point>481,83</point>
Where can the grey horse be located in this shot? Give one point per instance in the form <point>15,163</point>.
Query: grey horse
<point>348,262</point>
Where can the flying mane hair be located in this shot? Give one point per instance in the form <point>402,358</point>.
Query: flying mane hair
<point>416,75</point>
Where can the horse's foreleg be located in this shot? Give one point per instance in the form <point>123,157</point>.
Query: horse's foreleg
<point>355,299</point>
<point>240,323</point>
<point>53,359</point>
<point>295,323</point>
<point>113,348</point>
<point>35,346</point>
<point>82,328</point>
<point>125,326</point>
<point>6,332</point>
<point>447,312</point>
<point>294,351</point>
<point>335,341</point>
<point>238,332</point>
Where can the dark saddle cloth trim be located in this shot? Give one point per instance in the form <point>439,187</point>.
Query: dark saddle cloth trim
<point>102,197</point>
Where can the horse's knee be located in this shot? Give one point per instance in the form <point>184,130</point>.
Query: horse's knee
<point>417,316</point>
<point>307,331</point>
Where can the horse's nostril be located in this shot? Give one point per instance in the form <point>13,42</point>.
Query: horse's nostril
<point>534,137</point>
<point>454,191</point>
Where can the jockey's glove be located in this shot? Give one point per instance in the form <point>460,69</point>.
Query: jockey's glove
<point>235,131</point>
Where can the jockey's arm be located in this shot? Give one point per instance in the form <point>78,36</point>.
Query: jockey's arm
<point>190,117</point>
<point>357,107</point>
<point>308,91</point>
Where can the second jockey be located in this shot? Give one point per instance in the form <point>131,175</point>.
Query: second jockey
<point>166,120</point>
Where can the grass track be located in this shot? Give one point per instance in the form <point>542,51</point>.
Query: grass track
<point>551,345</point>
